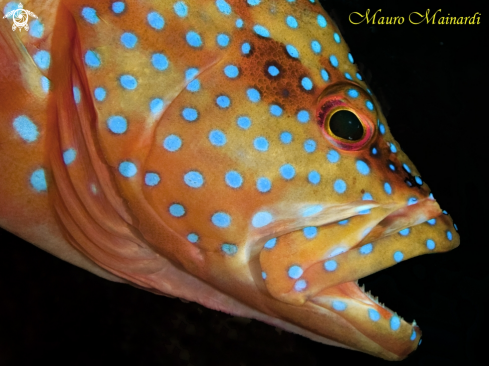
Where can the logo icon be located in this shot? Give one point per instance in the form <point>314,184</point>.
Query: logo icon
<point>20,17</point>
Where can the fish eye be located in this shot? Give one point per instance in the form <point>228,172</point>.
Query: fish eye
<point>346,125</point>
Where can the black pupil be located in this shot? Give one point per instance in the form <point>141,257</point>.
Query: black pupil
<point>346,125</point>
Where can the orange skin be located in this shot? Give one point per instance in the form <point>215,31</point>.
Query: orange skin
<point>99,212</point>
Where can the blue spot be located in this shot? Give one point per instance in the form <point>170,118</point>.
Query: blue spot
<point>333,60</point>
<point>253,2</point>
<point>449,235</point>
<point>432,222</point>
<point>156,105</point>
<point>92,59</point>
<point>245,48</point>
<point>398,256</point>
<point>271,243</point>
<point>286,137</point>
<point>312,210</point>
<point>222,40</point>
<point>36,28</point>
<point>419,342</point>
<point>314,177</point>
<point>336,37</point>
<point>348,76</point>
<point>229,249</point>
<point>217,138</point>
<point>413,335</point>
<point>369,105</point>
<point>128,169</point>
<point>69,156</point>
<point>234,179</point>
<point>272,70</point>
<point>392,167</point>
<point>333,156</point>
<point>343,222</point>
<point>339,305</point>
<point>310,146</point>
<point>193,238</point>
<point>367,197</point>
<point>263,185</point>
<point>362,167</point>
<point>181,9</point>
<point>244,122</point>
<point>155,20</point>
<point>76,94</point>
<point>193,39</point>
<point>264,275</point>
<point>330,265</point>
<point>26,128</point>
<point>310,232</point>
<point>300,285</point>
<point>118,7</point>
<point>340,186</point>
<point>193,86</point>
<point>382,128</point>
<point>445,212</point>
<point>151,179</point>
<point>418,180</point>
<point>359,77</point>
<point>303,116</point>
<point>455,226</point>
<point>231,71</point>
<point>42,59</point>
<point>100,94</point>
<point>117,124</point>
<point>287,171</point>
<point>239,23</point>
<point>366,249</point>
<point>412,201</point>
<point>316,46</point>
<point>431,196</point>
<point>129,40</point>
<point>38,180</point>
<point>45,84</point>
<point>387,188</point>
<point>253,95</point>
<point>261,219</point>
<point>223,7</point>
<point>190,114</point>
<point>321,21</point>
<point>275,110</point>
<point>404,232</point>
<point>373,315</point>
<point>90,15</point>
<point>353,93</point>
<point>291,22</point>
<point>430,244</point>
<point>172,143</point>
<point>128,82</point>
<point>295,272</point>
<point>395,323</point>
<point>221,219</point>
<point>177,210</point>
<point>306,83</point>
<point>11,6</point>
<point>261,30</point>
<point>193,179</point>
<point>364,212</point>
<point>159,61</point>
<point>350,58</point>
<point>223,101</point>
<point>393,147</point>
<point>374,151</point>
<point>406,168</point>
<point>292,51</point>
<point>324,75</point>
<point>261,143</point>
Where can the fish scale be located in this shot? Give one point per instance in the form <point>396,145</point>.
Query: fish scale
<point>201,150</point>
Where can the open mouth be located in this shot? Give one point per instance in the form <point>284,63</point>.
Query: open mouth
<point>319,266</point>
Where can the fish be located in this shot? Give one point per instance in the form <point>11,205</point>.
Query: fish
<point>224,152</point>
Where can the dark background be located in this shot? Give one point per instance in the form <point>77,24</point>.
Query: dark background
<point>432,83</point>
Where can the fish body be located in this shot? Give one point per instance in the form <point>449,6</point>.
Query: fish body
<point>224,152</point>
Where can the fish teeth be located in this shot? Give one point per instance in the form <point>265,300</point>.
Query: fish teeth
<point>414,323</point>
